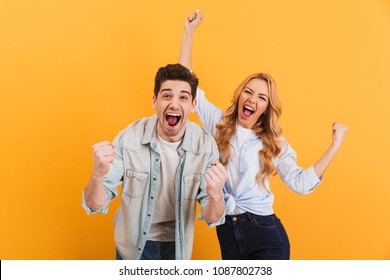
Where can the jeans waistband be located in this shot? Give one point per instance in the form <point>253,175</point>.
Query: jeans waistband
<point>244,217</point>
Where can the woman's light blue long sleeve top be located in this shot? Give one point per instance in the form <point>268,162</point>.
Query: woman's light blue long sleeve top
<point>248,195</point>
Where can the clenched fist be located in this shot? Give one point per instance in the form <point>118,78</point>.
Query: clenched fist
<point>103,155</point>
<point>339,130</point>
<point>193,21</point>
<point>215,179</point>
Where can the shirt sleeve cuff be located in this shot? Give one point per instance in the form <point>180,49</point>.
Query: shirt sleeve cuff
<point>217,223</point>
<point>90,211</point>
<point>314,179</point>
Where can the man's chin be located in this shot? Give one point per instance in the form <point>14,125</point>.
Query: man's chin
<point>170,133</point>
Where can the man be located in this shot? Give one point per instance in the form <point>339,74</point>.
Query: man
<point>165,164</point>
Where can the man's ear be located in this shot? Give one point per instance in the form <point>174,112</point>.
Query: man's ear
<point>193,106</point>
<point>154,102</point>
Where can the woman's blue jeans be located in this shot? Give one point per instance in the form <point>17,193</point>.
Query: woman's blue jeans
<point>156,250</point>
<point>252,237</point>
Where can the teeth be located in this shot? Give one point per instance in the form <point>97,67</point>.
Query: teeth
<point>249,108</point>
<point>173,115</point>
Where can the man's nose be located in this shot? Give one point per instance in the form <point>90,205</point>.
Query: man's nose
<point>174,103</point>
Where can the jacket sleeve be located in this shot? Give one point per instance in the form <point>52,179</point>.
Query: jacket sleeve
<point>202,197</point>
<point>111,180</point>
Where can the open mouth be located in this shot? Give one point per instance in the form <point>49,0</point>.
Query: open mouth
<point>248,111</point>
<point>172,119</point>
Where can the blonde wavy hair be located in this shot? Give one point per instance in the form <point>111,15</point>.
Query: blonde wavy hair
<point>266,128</point>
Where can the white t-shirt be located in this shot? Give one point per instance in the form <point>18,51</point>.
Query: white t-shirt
<point>163,224</point>
<point>238,140</point>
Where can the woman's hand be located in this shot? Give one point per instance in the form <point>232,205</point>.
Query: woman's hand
<point>338,133</point>
<point>193,21</point>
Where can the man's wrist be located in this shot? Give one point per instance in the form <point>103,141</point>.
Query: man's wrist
<point>96,175</point>
<point>216,197</point>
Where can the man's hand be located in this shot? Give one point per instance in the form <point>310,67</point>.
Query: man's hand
<point>103,155</point>
<point>215,179</point>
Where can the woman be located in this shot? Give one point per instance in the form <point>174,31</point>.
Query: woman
<point>253,149</point>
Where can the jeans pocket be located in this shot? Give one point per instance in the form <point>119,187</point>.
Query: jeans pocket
<point>263,222</point>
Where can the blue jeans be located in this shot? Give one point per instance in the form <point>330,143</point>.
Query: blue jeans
<point>252,237</point>
<point>156,250</point>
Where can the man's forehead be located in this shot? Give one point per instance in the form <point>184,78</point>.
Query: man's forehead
<point>175,86</point>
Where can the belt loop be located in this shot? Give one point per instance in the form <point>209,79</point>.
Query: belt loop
<point>250,217</point>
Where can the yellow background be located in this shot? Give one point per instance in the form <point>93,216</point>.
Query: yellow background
<point>73,73</point>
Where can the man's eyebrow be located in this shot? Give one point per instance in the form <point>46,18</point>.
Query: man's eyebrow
<point>185,91</point>
<point>170,90</point>
<point>166,89</point>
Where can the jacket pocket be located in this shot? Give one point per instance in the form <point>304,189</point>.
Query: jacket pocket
<point>135,183</point>
<point>191,186</point>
